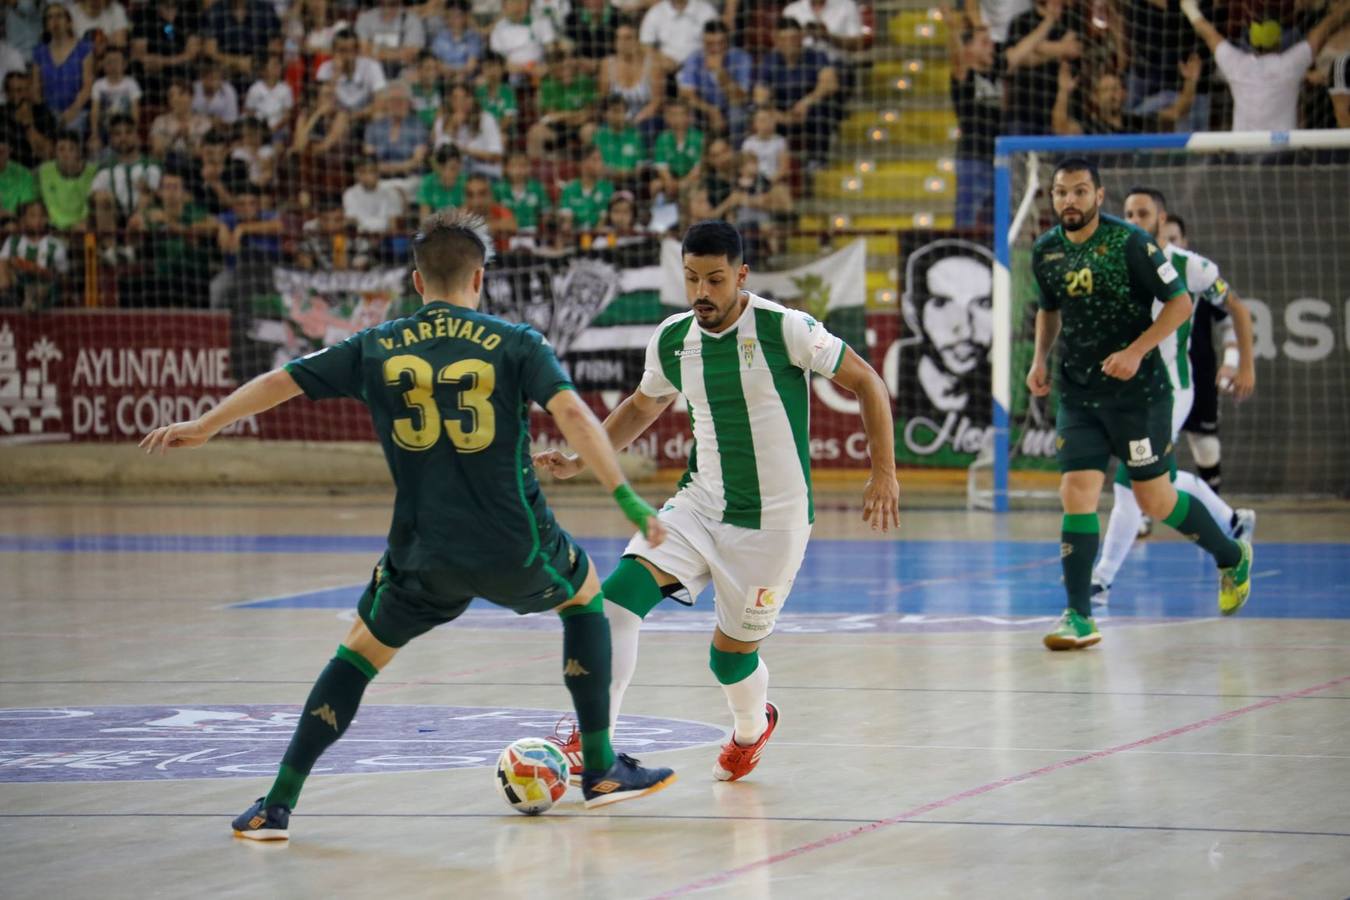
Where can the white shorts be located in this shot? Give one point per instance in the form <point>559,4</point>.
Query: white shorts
<point>751,571</point>
<point>1182,401</point>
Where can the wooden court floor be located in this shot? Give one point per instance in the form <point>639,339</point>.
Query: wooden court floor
<point>156,649</point>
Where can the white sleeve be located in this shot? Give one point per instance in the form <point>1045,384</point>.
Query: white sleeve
<point>102,182</point>
<point>1200,274</point>
<point>1230,60</point>
<point>649,31</point>
<point>489,134</point>
<point>325,72</point>
<point>377,79</point>
<point>7,248</point>
<point>851,26</point>
<point>1297,59</point>
<point>810,346</point>
<point>414,32</point>
<point>60,261</point>
<point>134,91</point>
<point>654,381</point>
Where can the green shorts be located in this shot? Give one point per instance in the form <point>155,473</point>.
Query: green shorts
<point>399,605</point>
<point>1140,436</point>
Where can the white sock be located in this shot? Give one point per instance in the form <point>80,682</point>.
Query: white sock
<point>1121,531</point>
<point>746,699</point>
<point>1221,512</point>
<point>624,626</point>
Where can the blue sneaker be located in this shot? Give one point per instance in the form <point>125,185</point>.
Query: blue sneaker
<point>624,780</point>
<point>257,824</point>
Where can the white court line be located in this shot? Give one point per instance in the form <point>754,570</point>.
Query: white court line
<point>1053,750</point>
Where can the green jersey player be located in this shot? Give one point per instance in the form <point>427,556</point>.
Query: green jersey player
<point>449,390</point>
<point>1097,277</point>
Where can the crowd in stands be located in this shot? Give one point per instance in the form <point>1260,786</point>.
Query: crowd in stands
<point>190,136</point>
<point>1071,67</point>
<point>173,142</point>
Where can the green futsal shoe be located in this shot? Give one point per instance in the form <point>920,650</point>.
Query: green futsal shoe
<point>1074,632</point>
<point>1235,582</point>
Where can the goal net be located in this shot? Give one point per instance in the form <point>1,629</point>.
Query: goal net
<point>1270,211</point>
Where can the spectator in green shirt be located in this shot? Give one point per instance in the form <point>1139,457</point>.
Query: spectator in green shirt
<point>443,186</point>
<point>495,94</point>
<point>425,88</point>
<point>567,95</point>
<point>179,234</point>
<point>17,186</point>
<point>619,141</point>
<point>585,198</point>
<point>63,184</point>
<point>523,195</point>
<point>678,149</point>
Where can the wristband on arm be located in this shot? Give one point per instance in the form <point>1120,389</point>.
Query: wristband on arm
<point>635,509</point>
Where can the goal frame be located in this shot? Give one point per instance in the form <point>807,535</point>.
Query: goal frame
<point>1007,227</point>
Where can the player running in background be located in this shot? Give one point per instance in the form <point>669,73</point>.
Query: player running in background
<point>1097,277</point>
<point>743,512</point>
<point>1211,376</point>
<point>1147,208</point>
<point>449,391</point>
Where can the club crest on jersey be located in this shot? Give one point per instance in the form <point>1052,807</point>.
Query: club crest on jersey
<point>1102,250</point>
<point>748,351</point>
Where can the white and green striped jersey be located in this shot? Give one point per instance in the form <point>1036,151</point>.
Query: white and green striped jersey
<point>748,390</point>
<point>48,252</point>
<point>1201,279</point>
<point>127,182</point>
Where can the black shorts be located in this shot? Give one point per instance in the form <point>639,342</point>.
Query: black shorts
<point>1204,414</point>
<point>1140,436</point>
<point>399,605</point>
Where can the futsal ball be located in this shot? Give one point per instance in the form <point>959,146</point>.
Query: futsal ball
<point>532,775</point>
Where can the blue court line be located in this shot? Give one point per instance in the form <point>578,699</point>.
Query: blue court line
<point>903,577</point>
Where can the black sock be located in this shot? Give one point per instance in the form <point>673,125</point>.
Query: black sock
<point>1212,476</point>
<point>1195,522</point>
<point>1078,540</point>
<point>587,666</point>
<point>329,710</point>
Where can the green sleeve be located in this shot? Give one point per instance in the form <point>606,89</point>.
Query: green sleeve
<point>331,372</point>
<point>1046,297</point>
<point>661,152</point>
<point>1150,269</point>
<point>545,202</point>
<point>423,195</point>
<point>541,375</point>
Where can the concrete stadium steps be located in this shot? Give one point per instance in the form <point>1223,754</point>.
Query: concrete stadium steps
<point>918,181</point>
<point>895,125</point>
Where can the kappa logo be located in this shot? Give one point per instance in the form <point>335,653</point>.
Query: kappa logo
<point>574,669</point>
<point>748,351</point>
<point>692,351</point>
<point>1059,442</point>
<point>1153,248</point>
<point>326,715</point>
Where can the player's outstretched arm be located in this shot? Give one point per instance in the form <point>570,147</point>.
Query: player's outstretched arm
<point>259,395</point>
<point>583,431</point>
<point>881,495</point>
<point>628,420</point>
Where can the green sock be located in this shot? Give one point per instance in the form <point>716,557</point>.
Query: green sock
<point>586,672</point>
<point>329,710</point>
<point>1078,539</point>
<point>1195,523</point>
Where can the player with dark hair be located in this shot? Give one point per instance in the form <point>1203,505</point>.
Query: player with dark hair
<point>1147,208</point>
<point>449,390</point>
<point>742,515</point>
<point>1097,277</point>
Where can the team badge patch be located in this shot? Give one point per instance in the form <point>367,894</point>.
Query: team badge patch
<point>761,608</point>
<point>748,351</point>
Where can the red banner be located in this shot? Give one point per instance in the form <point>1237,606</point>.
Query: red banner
<point>96,375</point>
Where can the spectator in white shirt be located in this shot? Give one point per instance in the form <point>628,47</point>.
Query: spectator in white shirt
<point>115,94</point>
<point>357,78</point>
<point>675,29</point>
<point>472,129</point>
<point>1265,83</point>
<point>520,38</point>
<point>391,34</point>
<point>214,97</point>
<point>100,15</point>
<point>373,207</point>
<point>269,98</point>
<point>767,145</point>
<point>831,26</point>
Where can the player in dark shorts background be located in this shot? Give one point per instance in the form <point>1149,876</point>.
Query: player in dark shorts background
<point>1211,375</point>
<point>1097,277</point>
<point>448,390</point>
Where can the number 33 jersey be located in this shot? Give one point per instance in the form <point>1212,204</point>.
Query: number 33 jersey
<point>449,391</point>
<point>1103,289</point>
